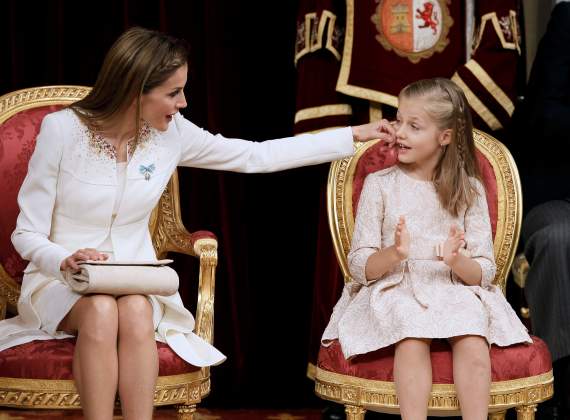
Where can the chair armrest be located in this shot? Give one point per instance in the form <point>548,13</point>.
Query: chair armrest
<point>201,239</point>
<point>520,270</point>
<point>203,245</point>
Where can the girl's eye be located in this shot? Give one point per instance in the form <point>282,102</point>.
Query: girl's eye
<point>173,94</point>
<point>415,126</point>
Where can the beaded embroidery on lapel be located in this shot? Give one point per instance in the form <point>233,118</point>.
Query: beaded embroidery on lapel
<point>101,147</point>
<point>95,158</point>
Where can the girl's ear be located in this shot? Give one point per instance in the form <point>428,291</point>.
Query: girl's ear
<point>445,137</point>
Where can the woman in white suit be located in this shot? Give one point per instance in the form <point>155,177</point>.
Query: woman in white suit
<point>98,170</point>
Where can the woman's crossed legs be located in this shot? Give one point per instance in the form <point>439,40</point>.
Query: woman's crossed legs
<point>115,350</point>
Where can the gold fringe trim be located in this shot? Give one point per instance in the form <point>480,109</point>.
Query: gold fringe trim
<point>477,105</point>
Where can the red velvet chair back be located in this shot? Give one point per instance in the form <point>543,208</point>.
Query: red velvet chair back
<point>21,115</point>
<point>17,141</point>
<point>499,175</point>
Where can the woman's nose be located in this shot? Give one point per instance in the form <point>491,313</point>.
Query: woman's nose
<point>182,102</point>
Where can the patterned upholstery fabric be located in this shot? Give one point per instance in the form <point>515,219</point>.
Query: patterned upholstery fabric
<point>378,157</point>
<point>507,363</point>
<point>17,142</point>
<point>51,359</point>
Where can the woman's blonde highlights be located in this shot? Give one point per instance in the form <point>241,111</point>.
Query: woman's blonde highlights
<point>138,61</point>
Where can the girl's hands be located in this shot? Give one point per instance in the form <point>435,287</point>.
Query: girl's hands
<point>402,239</point>
<point>71,262</point>
<point>382,130</point>
<point>455,241</point>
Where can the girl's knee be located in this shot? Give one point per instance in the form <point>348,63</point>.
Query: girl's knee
<point>472,342</point>
<point>473,350</point>
<point>414,345</point>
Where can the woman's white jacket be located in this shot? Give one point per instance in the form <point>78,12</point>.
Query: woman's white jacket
<point>67,199</point>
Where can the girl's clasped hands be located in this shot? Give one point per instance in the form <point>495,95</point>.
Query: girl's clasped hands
<point>450,248</point>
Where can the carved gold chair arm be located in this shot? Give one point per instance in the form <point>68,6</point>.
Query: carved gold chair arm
<point>520,269</point>
<point>206,248</point>
<point>203,245</point>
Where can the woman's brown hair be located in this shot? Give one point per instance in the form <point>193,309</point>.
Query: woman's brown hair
<point>447,105</point>
<point>138,61</point>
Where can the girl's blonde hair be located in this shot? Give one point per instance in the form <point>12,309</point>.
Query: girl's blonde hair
<point>447,105</point>
<point>138,61</point>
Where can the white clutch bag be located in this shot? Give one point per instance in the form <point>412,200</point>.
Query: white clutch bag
<point>124,278</point>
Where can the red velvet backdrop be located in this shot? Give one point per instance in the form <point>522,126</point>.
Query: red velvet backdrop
<point>241,83</point>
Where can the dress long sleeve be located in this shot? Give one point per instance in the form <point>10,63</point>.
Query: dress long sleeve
<point>367,237</point>
<point>36,199</point>
<point>478,236</point>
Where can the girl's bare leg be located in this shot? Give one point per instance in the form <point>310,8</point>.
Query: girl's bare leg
<point>138,357</point>
<point>412,374</point>
<point>472,375</point>
<point>95,365</point>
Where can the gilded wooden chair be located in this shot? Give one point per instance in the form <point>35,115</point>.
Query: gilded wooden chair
<point>521,374</point>
<point>38,374</point>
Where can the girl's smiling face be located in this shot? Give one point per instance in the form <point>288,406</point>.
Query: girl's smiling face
<point>418,138</point>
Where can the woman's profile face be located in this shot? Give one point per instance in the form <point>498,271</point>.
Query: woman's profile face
<point>161,103</point>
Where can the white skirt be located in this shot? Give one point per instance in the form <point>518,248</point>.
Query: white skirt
<point>49,303</point>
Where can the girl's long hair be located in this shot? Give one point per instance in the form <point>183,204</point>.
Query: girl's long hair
<point>138,61</point>
<point>447,105</point>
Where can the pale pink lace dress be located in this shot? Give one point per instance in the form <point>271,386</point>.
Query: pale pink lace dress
<point>419,297</point>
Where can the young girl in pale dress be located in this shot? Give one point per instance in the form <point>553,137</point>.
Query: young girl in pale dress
<point>422,257</point>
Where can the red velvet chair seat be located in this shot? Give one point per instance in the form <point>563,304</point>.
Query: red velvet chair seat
<point>51,359</point>
<point>507,363</point>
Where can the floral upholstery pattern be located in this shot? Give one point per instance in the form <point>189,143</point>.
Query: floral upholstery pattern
<point>17,141</point>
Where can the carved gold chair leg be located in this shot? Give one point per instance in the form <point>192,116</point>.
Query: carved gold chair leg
<point>500,415</point>
<point>186,411</point>
<point>526,412</point>
<point>354,412</point>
